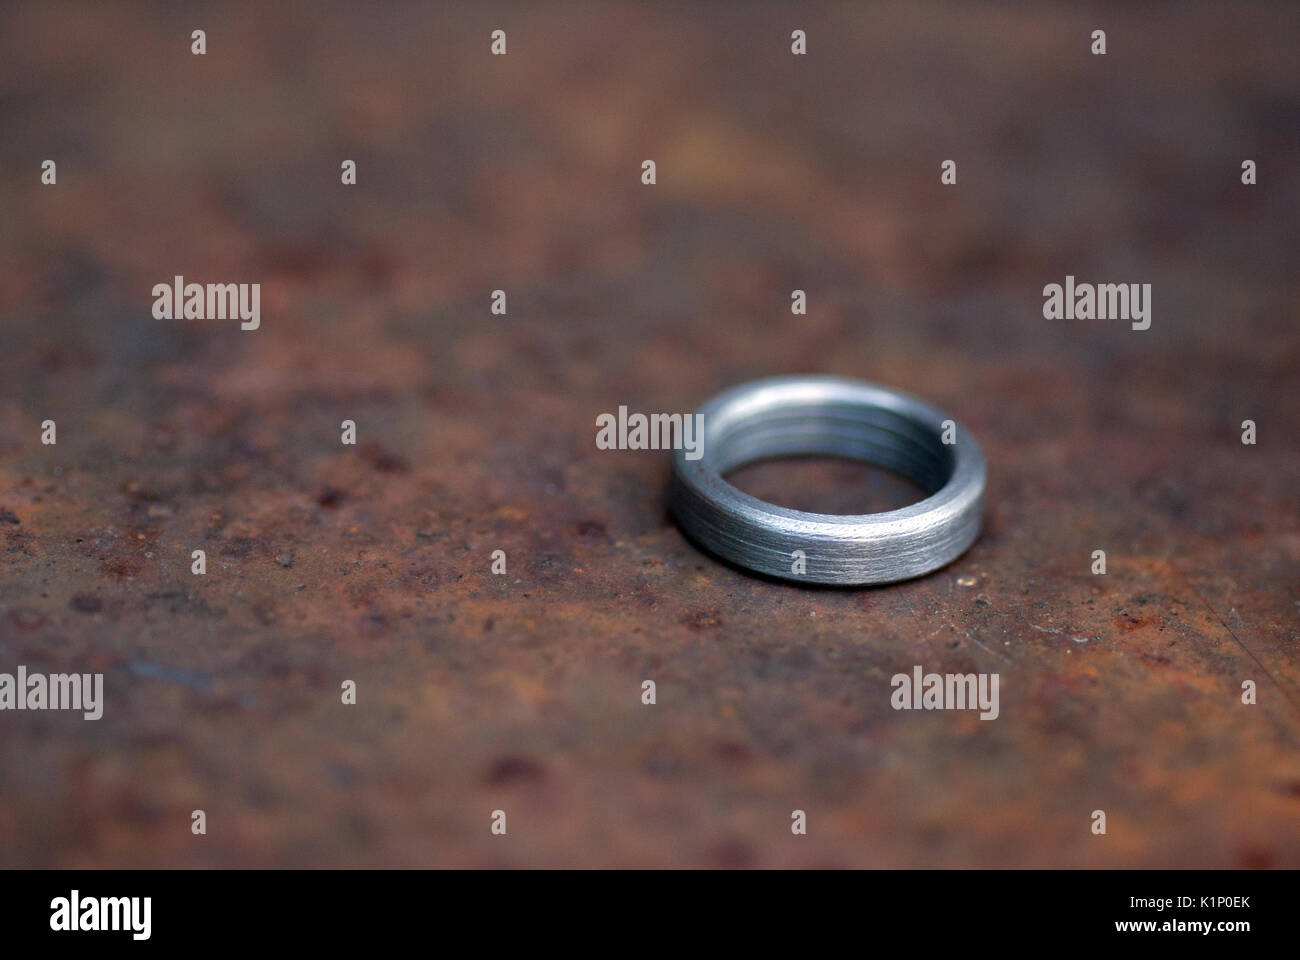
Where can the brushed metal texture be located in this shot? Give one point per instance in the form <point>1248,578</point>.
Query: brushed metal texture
<point>830,416</point>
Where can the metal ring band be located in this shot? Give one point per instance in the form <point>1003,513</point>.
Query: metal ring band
<point>836,417</point>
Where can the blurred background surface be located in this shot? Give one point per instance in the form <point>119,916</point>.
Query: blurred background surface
<point>476,432</point>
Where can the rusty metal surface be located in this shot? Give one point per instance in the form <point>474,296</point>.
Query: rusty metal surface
<point>478,692</point>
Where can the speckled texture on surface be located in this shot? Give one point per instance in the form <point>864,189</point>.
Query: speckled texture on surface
<point>479,692</point>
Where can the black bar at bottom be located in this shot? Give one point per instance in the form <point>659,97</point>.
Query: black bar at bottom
<point>333,910</point>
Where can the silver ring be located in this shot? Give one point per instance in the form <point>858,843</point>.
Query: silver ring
<point>835,417</point>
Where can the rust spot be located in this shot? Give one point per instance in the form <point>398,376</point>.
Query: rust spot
<point>1127,622</point>
<point>25,618</point>
<point>513,771</point>
<point>238,547</point>
<point>385,461</point>
<point>298,262</point>
<point>1256,858</point>
<point>703,620</point>
<point>330,497</point>
<point>732,751</point>
<point>54,357</point>
<point>7,516</point>
<point>86,603</point>
<point>731,854</point>
<point>376,269</point>
<point>120,566</point>
<point>1289,788</point>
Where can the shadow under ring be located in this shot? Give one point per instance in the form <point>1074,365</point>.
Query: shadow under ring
<point>834,417</point>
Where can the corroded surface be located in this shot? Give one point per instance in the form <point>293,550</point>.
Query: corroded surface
<point>479,692</point>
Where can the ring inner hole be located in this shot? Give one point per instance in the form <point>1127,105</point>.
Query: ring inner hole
<point>867,434</point>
